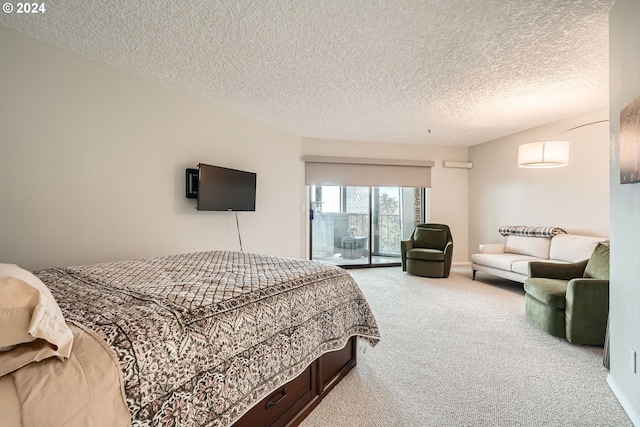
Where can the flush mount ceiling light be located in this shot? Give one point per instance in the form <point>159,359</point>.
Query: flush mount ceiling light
<point>547,154</point>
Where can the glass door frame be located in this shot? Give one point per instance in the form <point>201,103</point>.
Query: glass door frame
<point>370,240</point>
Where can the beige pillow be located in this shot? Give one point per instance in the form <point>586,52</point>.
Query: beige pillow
<point>32,327</point>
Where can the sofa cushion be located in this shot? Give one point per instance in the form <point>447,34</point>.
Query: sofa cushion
<point>500,261</point>
<point>525,245</point>
<point>429,238</point>
<point>598,265</point>
<point>573,248</point>
<point>548,291</point>
<point>522,267</point>
<point>425,254</point>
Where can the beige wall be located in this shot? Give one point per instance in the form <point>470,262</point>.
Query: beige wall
<point>93,163</point>
<point>92,166</point>
<point>92,169</point>
<point>575,197</point>
<point>624,322</point>
<point>448,196</point>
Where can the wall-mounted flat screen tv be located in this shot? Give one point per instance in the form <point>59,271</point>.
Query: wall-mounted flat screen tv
<point>224,189</point>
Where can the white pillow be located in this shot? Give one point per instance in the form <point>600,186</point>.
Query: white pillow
<point>526,245</point>
<point>32,327</point>
<point>573,248</point>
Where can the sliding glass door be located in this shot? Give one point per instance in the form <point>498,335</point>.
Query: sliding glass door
<point>358,226</point>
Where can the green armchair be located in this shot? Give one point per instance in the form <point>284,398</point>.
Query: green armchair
<point>428,252</point>
<point>570,300</point>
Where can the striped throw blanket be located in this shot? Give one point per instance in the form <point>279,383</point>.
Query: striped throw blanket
<point>523,230</point>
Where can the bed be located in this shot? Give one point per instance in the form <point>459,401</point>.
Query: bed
<point>213,338</point>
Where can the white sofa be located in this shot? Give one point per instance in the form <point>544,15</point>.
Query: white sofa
<point>511,259</point>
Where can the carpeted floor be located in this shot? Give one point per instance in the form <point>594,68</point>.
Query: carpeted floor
<point>457,352</point>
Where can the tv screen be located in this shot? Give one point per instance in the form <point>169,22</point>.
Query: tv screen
<point>223,189</point>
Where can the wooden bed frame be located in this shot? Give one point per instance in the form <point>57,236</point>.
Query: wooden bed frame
<point>291,403</point>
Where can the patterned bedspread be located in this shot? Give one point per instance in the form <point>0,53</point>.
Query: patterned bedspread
<point>201,337</point>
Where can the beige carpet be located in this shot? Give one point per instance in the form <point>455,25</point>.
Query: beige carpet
<point>457,352</point>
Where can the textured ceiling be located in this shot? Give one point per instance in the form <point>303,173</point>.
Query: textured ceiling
<point>456,72</point>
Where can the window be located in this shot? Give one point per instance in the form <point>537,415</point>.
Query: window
<point>359,225</point>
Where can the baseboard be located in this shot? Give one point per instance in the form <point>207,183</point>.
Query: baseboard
<point>624,402</point>
<point>462,264</point>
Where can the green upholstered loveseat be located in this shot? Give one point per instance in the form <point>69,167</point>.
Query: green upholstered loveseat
<point>428,252</point>
<point>570,300</point>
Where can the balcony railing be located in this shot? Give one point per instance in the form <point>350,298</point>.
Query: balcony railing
<point>333,226</point>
